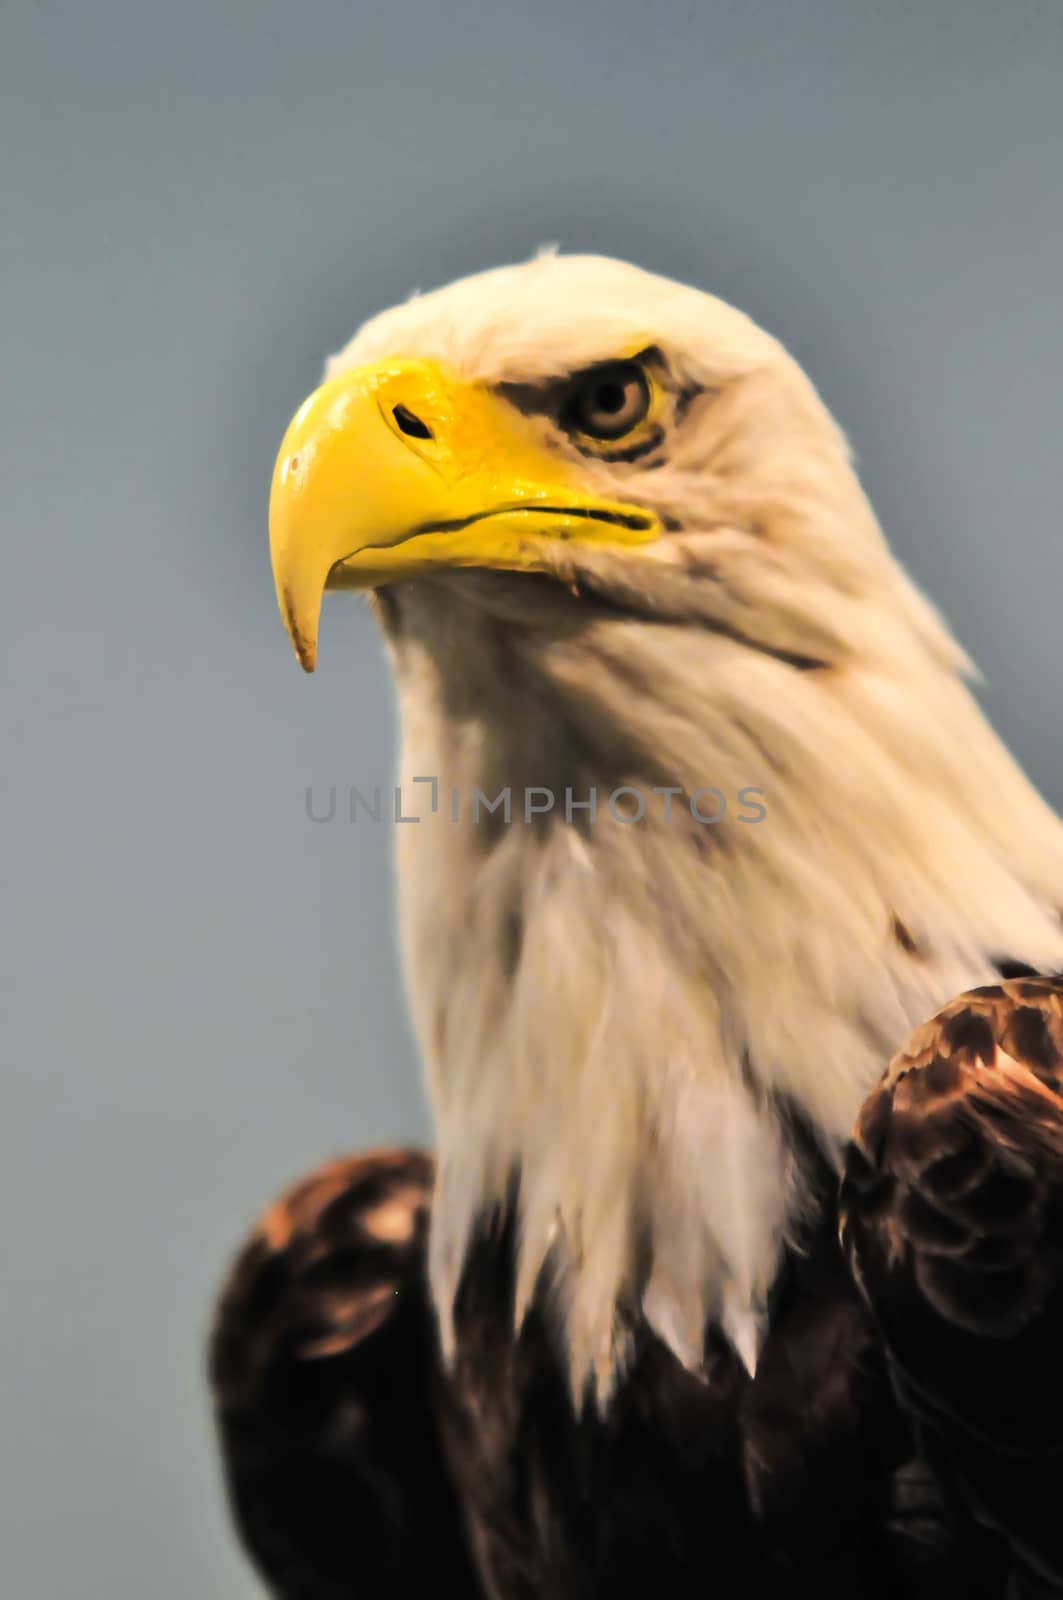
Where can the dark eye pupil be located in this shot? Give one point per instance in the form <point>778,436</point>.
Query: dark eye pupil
<point>609,397</point>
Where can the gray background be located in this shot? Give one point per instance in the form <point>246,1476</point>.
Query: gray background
<point>198,201</point>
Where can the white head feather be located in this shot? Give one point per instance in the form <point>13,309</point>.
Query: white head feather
<point>617,1012</point>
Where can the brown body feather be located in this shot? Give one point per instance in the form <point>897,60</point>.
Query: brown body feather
<point>898,1442</point>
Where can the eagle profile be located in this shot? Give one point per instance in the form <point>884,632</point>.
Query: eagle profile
<point>654,1315</point>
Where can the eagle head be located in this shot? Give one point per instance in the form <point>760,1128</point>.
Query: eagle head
<point>577,418</point>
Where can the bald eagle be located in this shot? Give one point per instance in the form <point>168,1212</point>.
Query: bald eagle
<point>653,1317</point>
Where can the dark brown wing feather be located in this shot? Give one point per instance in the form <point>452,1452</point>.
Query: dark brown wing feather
<point>343,1442</point>
<point>324,1369</point>
<point>952,1218</point>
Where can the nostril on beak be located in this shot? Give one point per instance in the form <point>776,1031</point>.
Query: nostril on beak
<point>411,424</point>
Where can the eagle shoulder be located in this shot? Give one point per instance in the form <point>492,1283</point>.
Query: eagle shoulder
<point>952,1219</point>
<point>323,1373</point>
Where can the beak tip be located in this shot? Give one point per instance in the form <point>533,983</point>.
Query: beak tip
<point>303,643</point>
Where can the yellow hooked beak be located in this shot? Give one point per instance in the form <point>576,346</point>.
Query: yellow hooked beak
<point>401,467</point>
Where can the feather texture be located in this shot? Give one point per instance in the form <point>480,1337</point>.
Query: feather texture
<point>952,1215</point>
<point>361,1469</point>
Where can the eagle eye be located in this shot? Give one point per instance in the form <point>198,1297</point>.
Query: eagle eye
<point>608,401</point>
